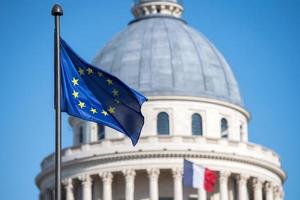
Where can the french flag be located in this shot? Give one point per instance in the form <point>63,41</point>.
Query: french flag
<point>196,176</point>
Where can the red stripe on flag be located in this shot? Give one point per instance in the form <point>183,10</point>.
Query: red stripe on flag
<point>210,179</point>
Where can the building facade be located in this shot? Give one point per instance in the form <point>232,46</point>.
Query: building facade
<point>194,112</point>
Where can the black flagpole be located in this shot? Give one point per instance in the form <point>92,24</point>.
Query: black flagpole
<point>57,12</point>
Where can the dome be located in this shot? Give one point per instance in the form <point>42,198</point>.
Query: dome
<point>163,56</point>
<point>159,55</point>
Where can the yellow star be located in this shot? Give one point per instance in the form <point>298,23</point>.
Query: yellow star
<point>89,71</point>
<point>115,92</point>
<point>109,81</point>
<point>104,113</point>
<point>75,94</point>
<point>100,74</point>
<point>111,110</point>
<point>81,71</point>
<point>93,110</point>
<point>81,104</point>
<point>75,81</point>
<point>117,101</point>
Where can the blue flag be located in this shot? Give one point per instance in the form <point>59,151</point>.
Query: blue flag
<point>94,95</point>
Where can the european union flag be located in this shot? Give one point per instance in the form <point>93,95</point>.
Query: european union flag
<point>92,94</point>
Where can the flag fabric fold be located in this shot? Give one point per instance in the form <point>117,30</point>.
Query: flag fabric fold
<point>197,176</point>
<point>94,95</point>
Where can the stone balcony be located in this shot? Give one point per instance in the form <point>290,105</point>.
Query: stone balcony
<point>181,146</point>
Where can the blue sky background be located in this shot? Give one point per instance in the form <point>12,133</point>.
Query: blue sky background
<point>260,40</point>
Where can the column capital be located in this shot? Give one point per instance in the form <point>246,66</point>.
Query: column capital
<point>268,187</point>
<point>67,182</point>
<point>278,192</point>
<point>106,177</point>
<point>177,173</point>
<point>153,173</point>
<point>281,192</point>
<point>224,174</point>
<point>257,183</point>
<point>85,179</point>
<point>242,178</point>
<point>129,173</point>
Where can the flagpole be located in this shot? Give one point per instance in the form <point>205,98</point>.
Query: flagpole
<point>57,12</point>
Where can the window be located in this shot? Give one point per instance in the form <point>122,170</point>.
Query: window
<point>224,128</point>
<point>243,136</point>
<point>80,135</point>
<point>241,129</point>
<point>196,124</point>
<point>101,132</point>
<point>163,124</point>
<point>241,133</point>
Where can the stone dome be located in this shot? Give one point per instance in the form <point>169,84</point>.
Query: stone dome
<point>159,55</point>
<point>163,56</point>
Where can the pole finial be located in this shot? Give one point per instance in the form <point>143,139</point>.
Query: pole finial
<point>57,10</point>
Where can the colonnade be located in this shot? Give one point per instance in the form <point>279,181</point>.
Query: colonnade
<point>261,189</point>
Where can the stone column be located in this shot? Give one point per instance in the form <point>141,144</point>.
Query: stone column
<point>107,178</point>
<point>242,187</point>
<point>278,193</point>
<point>129,178</point>
<point>202,194</point>
<point>257,189</point>
<point>268,187</point>
<point>177,179</point>
<point>153,174</point>
<point>68,184</point>
<point>223,181</point>
<point>86,183</point>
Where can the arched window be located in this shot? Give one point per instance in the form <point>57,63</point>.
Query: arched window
<point>241,131</point>
<point>163,124</point>
<point>243,136</point>
<point>196,124</point>
<point>224,128</point>
<point>101,132</point>
<point>80,138</point>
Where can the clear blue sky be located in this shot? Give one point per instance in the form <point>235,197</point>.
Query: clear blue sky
<point>260,39</point>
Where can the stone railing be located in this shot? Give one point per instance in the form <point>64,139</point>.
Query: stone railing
<point>165,144</point>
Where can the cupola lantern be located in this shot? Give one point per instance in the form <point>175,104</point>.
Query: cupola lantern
<point>143,8</point>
